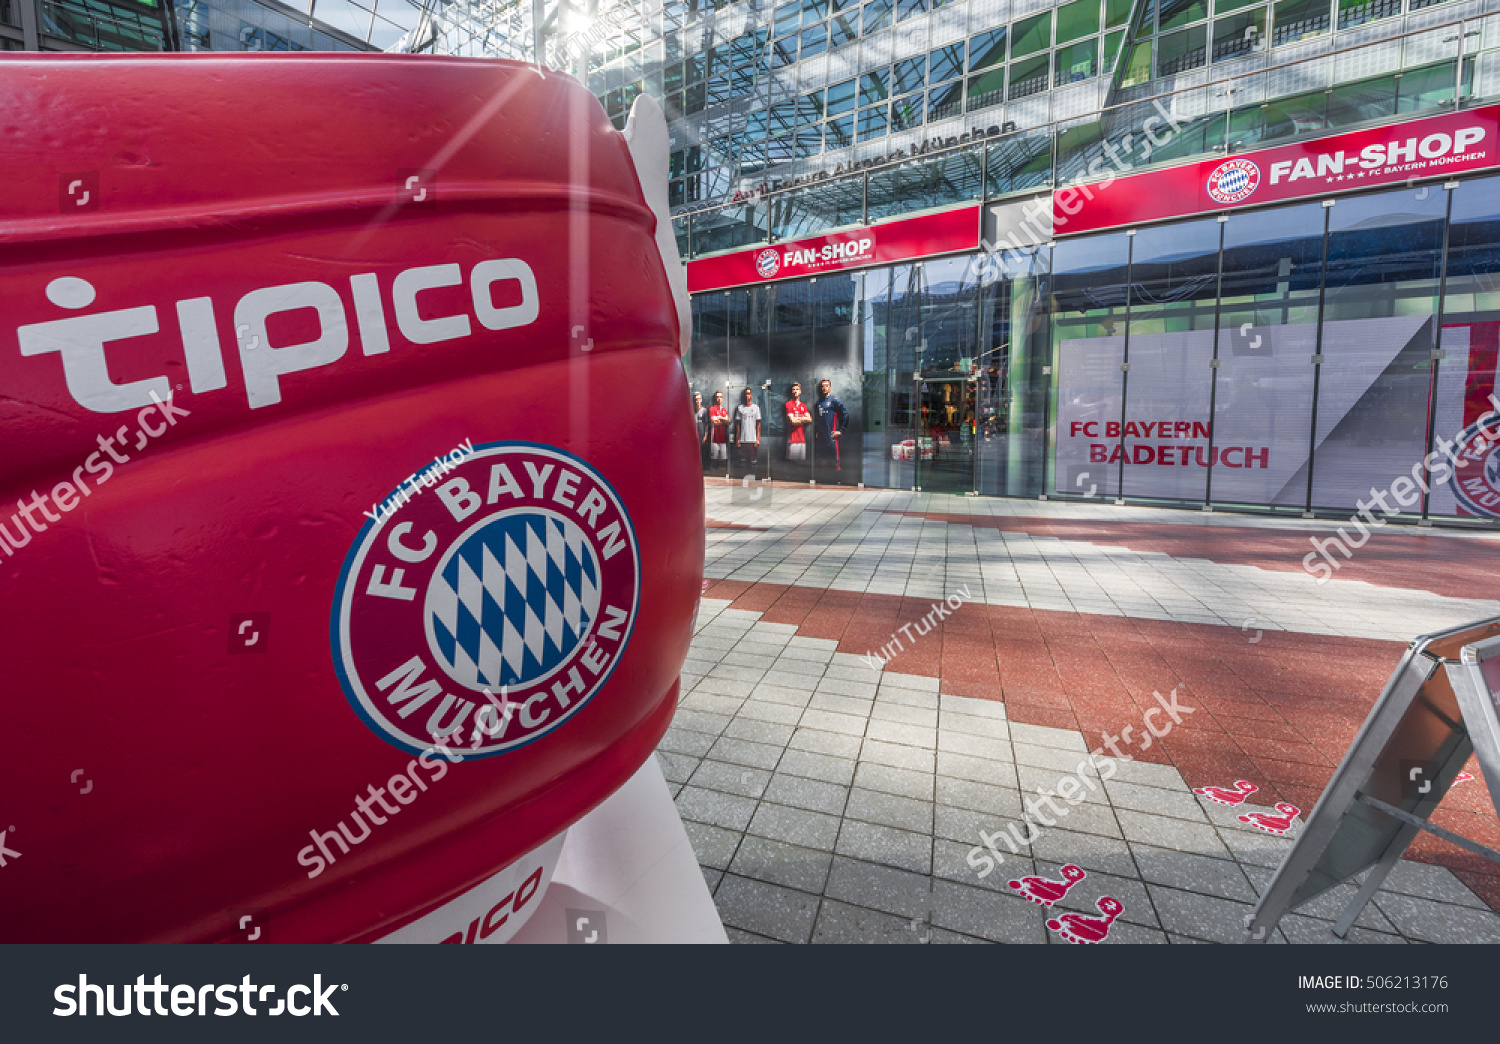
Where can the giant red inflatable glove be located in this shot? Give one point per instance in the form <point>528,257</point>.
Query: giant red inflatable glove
<point>352,513</point>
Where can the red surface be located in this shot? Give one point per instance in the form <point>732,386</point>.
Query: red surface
<point>1179,191</point>
<point>929,235</point>
<point>1279,711</point>
<point>216,177</point>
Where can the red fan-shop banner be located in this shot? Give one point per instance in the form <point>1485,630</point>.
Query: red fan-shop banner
<point>1418,149</point>
<point>946,232</point>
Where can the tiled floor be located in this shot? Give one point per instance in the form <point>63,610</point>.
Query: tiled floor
<point>831,798</point>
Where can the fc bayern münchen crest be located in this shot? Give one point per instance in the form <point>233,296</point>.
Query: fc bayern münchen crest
<point>1233,180</point>
<point>768,262</point>
<point>485,611</point>
<point>1477,483</point>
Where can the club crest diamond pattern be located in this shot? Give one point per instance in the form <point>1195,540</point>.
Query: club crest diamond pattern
<point>487,610</point>
<point>513,600</point>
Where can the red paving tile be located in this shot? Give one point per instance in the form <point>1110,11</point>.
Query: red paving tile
<point>1280,712</point>
<point>1416,561</point>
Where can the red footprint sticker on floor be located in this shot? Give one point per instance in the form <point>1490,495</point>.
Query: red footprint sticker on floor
<point>1462,777</point>
<point>1046,891</point>
<point>1278,825</point>
<point>1085,930</point>
<point>1243,788</point>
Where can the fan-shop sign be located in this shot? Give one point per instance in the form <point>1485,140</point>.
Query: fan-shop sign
<point>1428,148</point>
<point>932,234</point>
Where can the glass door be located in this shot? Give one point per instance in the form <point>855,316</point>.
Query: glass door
<point>944,450</point>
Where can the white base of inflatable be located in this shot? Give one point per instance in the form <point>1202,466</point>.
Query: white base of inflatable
<point>627,874</point>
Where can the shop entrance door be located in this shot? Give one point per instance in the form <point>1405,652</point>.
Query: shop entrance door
<point>945,435</point>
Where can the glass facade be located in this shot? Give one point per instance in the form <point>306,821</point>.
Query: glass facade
<point>759,94</point>
<point>1289,358</point>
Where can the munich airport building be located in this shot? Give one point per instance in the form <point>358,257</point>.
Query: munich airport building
<point>1193,252</point>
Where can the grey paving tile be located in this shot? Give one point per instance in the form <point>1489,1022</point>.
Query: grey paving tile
<point>790,695</point>
<point>1042,736</point>
<point>980,797</point>
<point>891,780</point>
<point>805,869</point>
<point>1200,916</point>
<point>1046,757</point>
<point>738,937</point>
<point>922,717</point>
<point>904,813</point>
<point>942,935</point>
<point>887,845</point>
<point>728,681</point>
<point>1436,922</point>
<point>977,770</point>
<point>1300,929</point>
<point>745,752</point>
<point>836,704</point>
<point>863,688</point>
<point>1176,834</point>
<point>1083,817</point>
<point>819,742</point>
<point>796,826</point>
<point>1107,855</point>
<point>1254,848</point>
<point>1123,933</point>
<point>842,923</point>
<point>677,768</point>
<point>764,710</point>
<point>738,658</point>
<point>1193,873</point>
<point>731,779</point>
<point>901,733</point>
<point>766,909</point>
<point>1147,774</point>
<point>711,878</point>
<point>700,721</point>
<point>817,766</point>
<point>898,892</point>
<point>710,702</point>
<point>986,913</point>
<point>974,746</point>
<point>954,725</point>
<point>950,860</point>
<point>887,696</point>
<point>828,721</point>
<point>811,794</point>
<point>916,682</point>
<point>1330,904</point>
<point>897,755</point>
<point>1035,780</point>
<point>1410,877</point>
<point>714,808</point>
<point>1155,800</point>
<point>759,731</point>
<point>685,741</point>
<point>714,846</point>
<point>972,707</point>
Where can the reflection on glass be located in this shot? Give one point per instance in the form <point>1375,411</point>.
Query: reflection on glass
<point>1090,283</point>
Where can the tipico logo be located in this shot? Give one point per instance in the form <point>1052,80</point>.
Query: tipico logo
<point>1233,180</point>
<point>492,611</point>
<point>1477,483</point>
<point>767,263</point>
